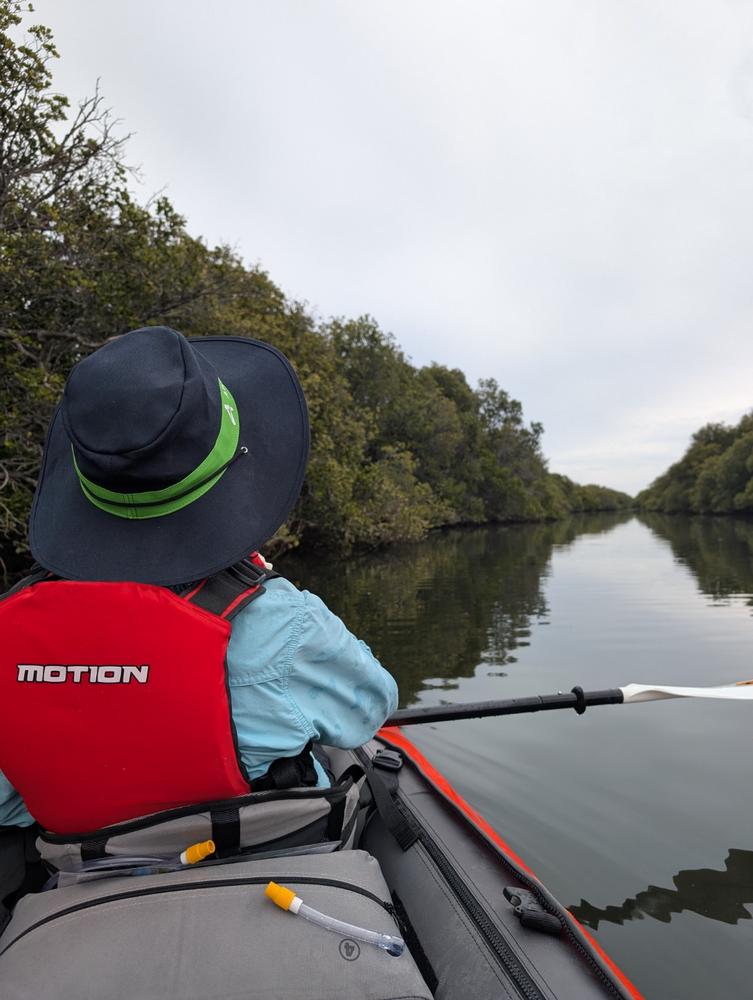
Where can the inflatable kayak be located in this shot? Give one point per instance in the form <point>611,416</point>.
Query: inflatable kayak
<point>411,894</point>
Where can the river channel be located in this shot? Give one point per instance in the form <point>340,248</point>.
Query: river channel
<point>638,817</point>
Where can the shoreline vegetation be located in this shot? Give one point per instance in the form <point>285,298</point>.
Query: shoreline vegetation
<point>714,476</point>
<point>396,450</point>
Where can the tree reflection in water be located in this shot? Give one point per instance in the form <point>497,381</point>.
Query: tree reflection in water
<point>436,610</point>
<point>718,550</point>
<point>719,895</point>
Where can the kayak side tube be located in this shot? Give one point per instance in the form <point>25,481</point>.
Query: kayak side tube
<point>450,887</point>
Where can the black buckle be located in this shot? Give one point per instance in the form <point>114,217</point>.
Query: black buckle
<point>388,760</point>
<point>530,911</point>
<point>247,572</point>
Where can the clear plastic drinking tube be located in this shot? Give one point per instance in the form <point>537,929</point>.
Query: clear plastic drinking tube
<point>286,899</point>
<point>123,865</point>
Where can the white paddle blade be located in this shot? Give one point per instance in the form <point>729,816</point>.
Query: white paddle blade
<point>742,691</point>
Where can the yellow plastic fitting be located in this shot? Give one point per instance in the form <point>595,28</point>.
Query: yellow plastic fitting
<point>197,852</point>
<point>280,895</point>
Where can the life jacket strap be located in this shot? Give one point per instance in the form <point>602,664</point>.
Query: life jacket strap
<point>38,573</point>
<point>229,591</point>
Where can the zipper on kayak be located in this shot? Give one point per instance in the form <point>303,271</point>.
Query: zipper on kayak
<point>522,980</point>
<point>536,890</point>
<point>552,906</point>
<point>506,958</point>
<point>542,894</point>
<point>155,890</point>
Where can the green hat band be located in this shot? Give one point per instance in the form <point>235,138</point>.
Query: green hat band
<point>157,503</point>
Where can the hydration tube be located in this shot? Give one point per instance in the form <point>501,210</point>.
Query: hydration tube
<point>286,899</point>
<point>123,865</point>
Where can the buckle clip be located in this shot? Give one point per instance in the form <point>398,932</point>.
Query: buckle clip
<point>388,760</point>
<point>530,911</point>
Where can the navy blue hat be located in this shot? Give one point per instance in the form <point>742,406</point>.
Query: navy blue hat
<point>169,459</point>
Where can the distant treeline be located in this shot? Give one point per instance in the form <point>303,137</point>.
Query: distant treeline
<point>714,476</point>
<point>396,450</point>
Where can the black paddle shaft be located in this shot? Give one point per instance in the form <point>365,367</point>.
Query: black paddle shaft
<point>577,699</point>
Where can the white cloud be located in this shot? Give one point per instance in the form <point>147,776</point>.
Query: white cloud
<point>558,194</point>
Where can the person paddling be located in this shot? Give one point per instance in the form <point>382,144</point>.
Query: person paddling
<point>154,659</point>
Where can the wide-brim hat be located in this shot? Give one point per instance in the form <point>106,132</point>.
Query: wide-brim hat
<point>169,459</point>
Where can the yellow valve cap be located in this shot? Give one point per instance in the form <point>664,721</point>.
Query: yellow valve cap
<point>197,852</point>
<point>280,895</point>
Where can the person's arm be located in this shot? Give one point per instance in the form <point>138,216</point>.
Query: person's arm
<point>13,811</point>
<point>336,681</point>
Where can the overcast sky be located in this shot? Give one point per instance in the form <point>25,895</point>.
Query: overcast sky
<point>558,193</point>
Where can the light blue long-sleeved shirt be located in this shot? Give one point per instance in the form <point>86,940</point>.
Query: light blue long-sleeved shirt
<point>295,674</point>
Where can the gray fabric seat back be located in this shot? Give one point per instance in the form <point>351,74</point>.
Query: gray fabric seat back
<point>208,932</point>
<point>264,821</point>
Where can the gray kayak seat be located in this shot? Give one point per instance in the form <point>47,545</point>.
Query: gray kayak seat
<point>290,820</point>
<point>209,933</point>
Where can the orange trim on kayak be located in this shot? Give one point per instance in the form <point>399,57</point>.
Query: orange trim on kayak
<point>394,736</point>
<point>632,990</point>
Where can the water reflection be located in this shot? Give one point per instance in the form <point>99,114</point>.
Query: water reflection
<point>434,611</point>
<point>461,605</point>
<point>718,550</point>
<point>719,895</point>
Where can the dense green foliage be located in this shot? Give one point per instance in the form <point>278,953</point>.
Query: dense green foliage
<point>714,476</point>
<point>396,450</point>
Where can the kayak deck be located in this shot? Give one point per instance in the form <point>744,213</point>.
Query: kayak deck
<point>426,867</point>
<point>452,884</point>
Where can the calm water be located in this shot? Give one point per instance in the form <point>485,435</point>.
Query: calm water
<point>638,817</point>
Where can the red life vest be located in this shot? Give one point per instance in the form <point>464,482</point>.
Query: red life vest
<point>114,700</point>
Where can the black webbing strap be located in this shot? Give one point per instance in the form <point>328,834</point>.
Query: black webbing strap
<point>288,772</point>
<point>226,831</point>
<point>336,819</point>
<point>350,775</point>
<point>336,829</point>
<point>389,813</point>
<point>38,573</point>
<point>229,591</point>
<point>94,848</point>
